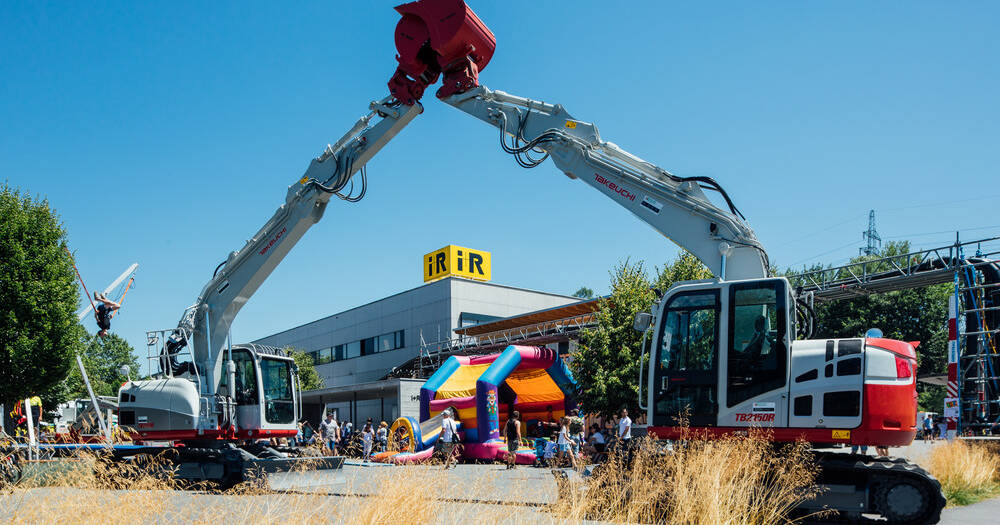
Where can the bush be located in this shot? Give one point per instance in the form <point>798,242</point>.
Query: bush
<point>734,480</point>
<point>968,473</point>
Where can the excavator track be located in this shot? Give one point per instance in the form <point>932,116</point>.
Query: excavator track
<point>892,489</point>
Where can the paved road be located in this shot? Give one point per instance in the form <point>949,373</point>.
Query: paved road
<point>984,512</point>
<point>486,493</point>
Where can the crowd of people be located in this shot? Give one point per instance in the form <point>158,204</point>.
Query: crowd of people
<point>567,440</point>
<point>933,428</point>
<point>556,441</point>
<point>563,441</point>
<point>338,438</point>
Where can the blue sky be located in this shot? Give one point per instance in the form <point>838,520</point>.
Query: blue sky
<point>167,133</point>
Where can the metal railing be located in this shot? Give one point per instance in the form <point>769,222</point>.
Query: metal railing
<point>432,353</point>
<point>885,274</point>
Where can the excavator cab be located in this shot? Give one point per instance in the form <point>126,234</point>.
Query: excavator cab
<point>263,402</point>
<point>720,352</point>
<point>265,393</point>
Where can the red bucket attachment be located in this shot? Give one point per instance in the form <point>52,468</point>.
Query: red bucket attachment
<point>439,36</point>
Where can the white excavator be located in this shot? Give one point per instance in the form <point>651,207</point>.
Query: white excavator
<point>723,351</point>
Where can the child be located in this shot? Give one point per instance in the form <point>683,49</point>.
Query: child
<point>382,436</point>
<point>563,442</point>
<point>367,436</point>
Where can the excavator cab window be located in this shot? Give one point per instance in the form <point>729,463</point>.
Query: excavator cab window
<point>246,392</point>
<point>685,378</point>
<point>757,351</point>
<point>279,405</point>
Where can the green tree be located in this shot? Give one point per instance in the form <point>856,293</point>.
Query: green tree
<point>308,375</point>
<point>584,293</point>
<point>687,267</point>
<point>606,363</point>
<point>103,359</point>
<point>39,333</point>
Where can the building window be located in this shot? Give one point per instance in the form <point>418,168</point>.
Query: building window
<point>368,346</point>
<point>352,350</point>
<point>372,345</point>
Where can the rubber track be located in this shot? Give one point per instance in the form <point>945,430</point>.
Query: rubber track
<point>879,469</point>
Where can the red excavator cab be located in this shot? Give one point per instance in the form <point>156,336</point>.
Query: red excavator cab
<point>435,37</point>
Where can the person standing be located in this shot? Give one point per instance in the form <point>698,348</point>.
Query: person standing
<point>624,427</point>
<point>563,443</point>
<point>329,431</point>
<point>512,431</point>
<point>576,430</point>
<point>928,425</point>
<point>448,435</point>
<point>367,438</point>
<point>382,436</point>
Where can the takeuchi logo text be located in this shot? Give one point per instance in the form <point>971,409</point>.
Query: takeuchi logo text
<point>614,187</point>
<point>277,237</point>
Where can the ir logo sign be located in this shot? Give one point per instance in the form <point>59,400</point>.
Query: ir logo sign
<point>457,261</point>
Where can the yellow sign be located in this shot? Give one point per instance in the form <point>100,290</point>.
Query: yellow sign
<point>841,434</point>
<point>457,261</point>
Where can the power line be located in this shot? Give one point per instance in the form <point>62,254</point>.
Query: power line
<point>924,234</point>
<point>939,204</point>
<point>807,259</point>
<point>813,233</point>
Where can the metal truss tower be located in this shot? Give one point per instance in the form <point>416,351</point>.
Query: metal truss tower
<point>871,236</point>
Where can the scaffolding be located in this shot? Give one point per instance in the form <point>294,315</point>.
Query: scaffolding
<point>977,292</point>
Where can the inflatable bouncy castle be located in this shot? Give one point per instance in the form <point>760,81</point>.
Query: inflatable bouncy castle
<point>483,390</point>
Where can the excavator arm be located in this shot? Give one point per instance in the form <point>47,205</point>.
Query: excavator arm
<point>677,207</point>
<point>205,325</point>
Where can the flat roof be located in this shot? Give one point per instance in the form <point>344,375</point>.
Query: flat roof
<point>586,306</point>
<point>432,283</point>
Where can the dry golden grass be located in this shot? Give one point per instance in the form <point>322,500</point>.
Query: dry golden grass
<point>967,472</point>
<point>730,481</point>
<point>736,480</point>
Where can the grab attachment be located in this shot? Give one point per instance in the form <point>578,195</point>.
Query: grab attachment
<point>435,37</point>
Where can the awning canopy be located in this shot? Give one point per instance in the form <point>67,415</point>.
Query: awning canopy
<point>558,313</point>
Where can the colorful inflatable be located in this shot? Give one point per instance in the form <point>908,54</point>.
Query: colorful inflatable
<point>483,390</point>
